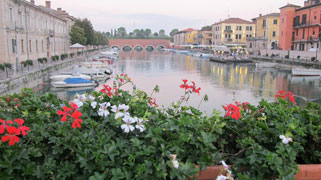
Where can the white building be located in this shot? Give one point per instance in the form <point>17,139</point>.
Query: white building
<point>28,31</point>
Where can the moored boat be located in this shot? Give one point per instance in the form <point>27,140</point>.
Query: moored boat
<point>305,72</point>
<point>64,76</point>
<point>73,83</point>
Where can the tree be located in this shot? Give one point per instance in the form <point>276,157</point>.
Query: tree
<point>121,32</point>
<point>207,28</point>
<point>28,63</point>
<point>88,29</point>
<point>77,35</point>
<point>155,34</point>
<point>162,33</point>
<point>5,67</point>
<point>174,31</point>
<point>148,32</point>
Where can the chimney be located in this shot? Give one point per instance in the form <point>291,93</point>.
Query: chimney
<point>59,9</point>
<point>32,2</point>
<point>48,4</point>
<point>260,15</point>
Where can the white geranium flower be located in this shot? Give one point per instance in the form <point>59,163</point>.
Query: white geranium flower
<point>128,127</point>
<point>221,177</point>
<point>174,162</point>
<point>224,165</point>
<point>285,140</point>
<point>140,124</point>
<point>93,104</point>
<point>78,102</point>
<point>81,97</point>
<point>103,110</point>
<point>92,98</point>
<point>120,110</point>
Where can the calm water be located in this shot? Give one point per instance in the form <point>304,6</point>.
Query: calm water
<point>222,83</point>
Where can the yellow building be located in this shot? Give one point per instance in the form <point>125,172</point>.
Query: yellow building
<point>232,32</point>
<point>190,37</point>
<point>267,29</point>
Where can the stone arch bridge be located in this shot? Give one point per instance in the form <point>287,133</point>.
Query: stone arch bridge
<point>130,44</point>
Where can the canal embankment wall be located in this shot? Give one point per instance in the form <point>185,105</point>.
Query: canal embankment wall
<point>292,62</point>
<point>34,78</point>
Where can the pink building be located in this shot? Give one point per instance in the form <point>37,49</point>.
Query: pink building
<point>300,26</point>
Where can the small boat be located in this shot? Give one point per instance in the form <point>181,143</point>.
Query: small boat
<point>95,73</point>
<point>305,72</point>
<point>73,83</point>
<point>64,76</point>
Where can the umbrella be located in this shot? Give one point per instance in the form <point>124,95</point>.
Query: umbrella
<point>77,46</point>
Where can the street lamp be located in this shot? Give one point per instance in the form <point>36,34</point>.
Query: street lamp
<point>16,48</point>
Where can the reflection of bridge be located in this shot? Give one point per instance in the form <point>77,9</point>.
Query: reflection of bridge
<point>139,44</point>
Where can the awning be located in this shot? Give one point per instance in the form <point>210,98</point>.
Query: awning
<point>77,46</point>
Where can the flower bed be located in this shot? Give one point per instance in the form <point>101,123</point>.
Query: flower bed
<point>114,134</point>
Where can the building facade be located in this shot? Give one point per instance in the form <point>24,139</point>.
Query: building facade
<point>267,33</point>
<point>180,37</point>
<point>28,31</point>
<point>300,26</point>
<point>203,38</point>
<point>232,32</point>
<point>190,37</point>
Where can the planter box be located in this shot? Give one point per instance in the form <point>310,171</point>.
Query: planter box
<point>306,172</point>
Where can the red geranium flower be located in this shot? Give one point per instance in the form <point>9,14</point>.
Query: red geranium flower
<point>107,90</point>
<point>232,111</point>
<point>65,113</point>
<point>185,85</point>
<point>76,123</point>
<point>152,101</point>
<point>12,136</point>
<point>4,125</point>
<point>285,95</point>
<point>21,129</point>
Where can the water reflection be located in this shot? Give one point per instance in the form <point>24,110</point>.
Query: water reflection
<point>224,83</point>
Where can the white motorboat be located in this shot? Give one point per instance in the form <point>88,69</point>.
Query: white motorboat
<point>73,83</point>
<point>305,72</point>
<point>96,64</point>
<point>95,73</point>
<point>64,76</point>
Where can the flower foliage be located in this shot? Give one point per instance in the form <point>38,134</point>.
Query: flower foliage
<point>123,137</point>
<point>12,133</point>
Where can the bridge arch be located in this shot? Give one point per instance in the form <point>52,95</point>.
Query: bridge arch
<point>149,48</point>
<point>160,47</point>
<point>115,47</point>
<point>127,48</point>
<point>138,48</point>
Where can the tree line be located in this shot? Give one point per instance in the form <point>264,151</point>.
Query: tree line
<point>82,32</point>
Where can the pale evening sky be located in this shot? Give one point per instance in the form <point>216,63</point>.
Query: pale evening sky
<point>165,14</point>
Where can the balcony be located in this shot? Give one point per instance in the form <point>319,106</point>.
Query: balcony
<point>228,40</point>
<point>307,24</point>
<point>228,31</point>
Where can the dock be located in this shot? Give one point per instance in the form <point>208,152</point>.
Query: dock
<point>230,61</point>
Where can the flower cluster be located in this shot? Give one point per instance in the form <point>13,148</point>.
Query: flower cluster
<point>242,105</point>
<point>285,140</point>
<point>286,95</point>
<point>109,90</point>
<point>190,88</point>
<point>73,113</point>
<point>152,101</point>
<point>81,99</point>
<point>229,175</point>
<point>11,132</point>
<point>232,111</point>
<point>122,79</point>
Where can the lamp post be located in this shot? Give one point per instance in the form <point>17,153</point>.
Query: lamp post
<point>16,48</point>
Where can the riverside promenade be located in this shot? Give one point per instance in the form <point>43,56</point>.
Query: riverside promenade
<point>293,61</point>
<point>37,74</point>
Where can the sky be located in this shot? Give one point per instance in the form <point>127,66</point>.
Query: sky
<point>164,14</point>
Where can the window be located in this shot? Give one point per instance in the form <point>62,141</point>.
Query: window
<point>236,36</point>
<point>30,49</point>
<point>42,45</point>
<point>11,15</point>
<point>22,48</point>
<point>304,19</point>
<point>275,21</point>
<point>36,45</point>
<point>303,34</point>
<point>229,36</point>
<point>240,36</point>
<point>264,23</point>
<point>247,28</point>
<point>13,42</point>
<point>225,35</point>
<point>274,33</point>
<point>250,45</point>
<point>228,28</point>
<point>313,32</point>
<point>264,34</point>
<point>297,32</point>
<point>250,28</point>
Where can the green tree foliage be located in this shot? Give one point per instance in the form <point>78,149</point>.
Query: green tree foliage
<point>206,28</point>
<point>88,28</point>
<point>77,35</point>
<point>162,33</point>
<point>121,32</point>
<point>174,31</point>
<point>100,39</point>
<point>156,34</point>
<point>148,32</point>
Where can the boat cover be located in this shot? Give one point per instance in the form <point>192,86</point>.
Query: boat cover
<point>76,81</point>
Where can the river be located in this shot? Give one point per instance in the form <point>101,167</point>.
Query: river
<point>223,83</point>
